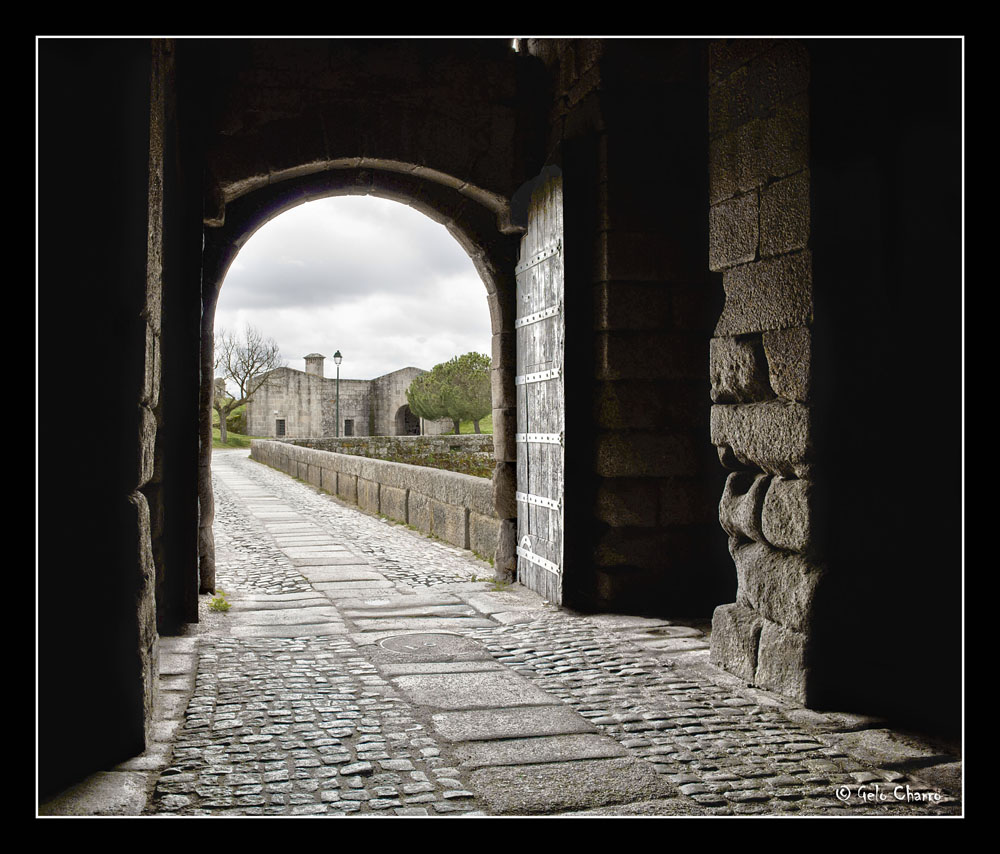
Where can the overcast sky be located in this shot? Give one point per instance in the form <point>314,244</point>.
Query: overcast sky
<point>377,280</point>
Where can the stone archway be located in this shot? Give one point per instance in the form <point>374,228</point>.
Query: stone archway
<point>479,229</point>
<point>407,424</point>
<point>449,128</point>
<point>197,142</point>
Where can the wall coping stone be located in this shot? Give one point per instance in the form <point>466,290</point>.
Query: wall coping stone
<point>448,487</point>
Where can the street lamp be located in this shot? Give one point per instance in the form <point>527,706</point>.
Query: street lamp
<point>337,359</point>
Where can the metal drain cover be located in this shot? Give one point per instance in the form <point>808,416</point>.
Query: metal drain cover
<point>426,642</point>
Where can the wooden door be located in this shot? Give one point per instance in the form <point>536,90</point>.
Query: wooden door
<point>540,329</point>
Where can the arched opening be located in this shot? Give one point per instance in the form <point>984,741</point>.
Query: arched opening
<point>373,291</point>
<point>240,130</point>
<point>407,424</point>
<point>473,225</point>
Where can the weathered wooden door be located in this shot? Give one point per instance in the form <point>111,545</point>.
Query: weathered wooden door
<point>540,330</point>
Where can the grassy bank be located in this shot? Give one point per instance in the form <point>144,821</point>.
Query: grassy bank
<point>485,425</point>
<point>233,440</point>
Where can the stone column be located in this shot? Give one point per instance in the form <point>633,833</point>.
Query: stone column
<point>760,358</point>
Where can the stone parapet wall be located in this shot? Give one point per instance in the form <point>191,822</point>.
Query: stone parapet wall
<point>468,454</point>
<point>456,508</point>
<point>381,446</point>
<point>760,366</point>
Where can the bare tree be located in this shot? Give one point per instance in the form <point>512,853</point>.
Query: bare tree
<point>244,362</point>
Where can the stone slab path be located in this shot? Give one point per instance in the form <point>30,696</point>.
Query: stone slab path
<point>363,669</point>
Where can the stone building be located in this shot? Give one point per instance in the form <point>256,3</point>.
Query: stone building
<point>725,284</point>
<point>305,404</point>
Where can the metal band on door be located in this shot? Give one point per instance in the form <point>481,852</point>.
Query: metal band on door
<point>540,327</point>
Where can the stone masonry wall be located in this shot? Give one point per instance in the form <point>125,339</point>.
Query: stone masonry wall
<point>389,394</point>
<point>102,270</point>
<point>468,453</point>
<point>760,358</point>
<point>355,405</point>
<point>412,105</point>
<point>308,405</point>
<point>628,119</point>
<point>457,508</point>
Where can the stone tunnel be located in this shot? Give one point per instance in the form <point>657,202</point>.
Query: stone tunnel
<point>760,371</point>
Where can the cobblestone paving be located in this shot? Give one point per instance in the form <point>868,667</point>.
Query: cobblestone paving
<point>302,727</point>
<point>247,558</point>
<point>307,726</point>
<point>724,751</point>
<point>397,553</point>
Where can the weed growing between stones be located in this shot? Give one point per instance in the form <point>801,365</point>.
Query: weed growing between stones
<point>219,601</point>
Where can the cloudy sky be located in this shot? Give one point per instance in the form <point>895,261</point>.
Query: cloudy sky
<point>378,281</point>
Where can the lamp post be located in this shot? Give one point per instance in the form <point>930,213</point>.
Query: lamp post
<point>337,359</point>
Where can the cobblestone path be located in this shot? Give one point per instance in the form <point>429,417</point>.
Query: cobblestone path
<point>364,669</point>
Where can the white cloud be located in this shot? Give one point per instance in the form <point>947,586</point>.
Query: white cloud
<point>378,281</point>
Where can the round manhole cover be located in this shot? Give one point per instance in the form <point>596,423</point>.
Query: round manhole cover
<point>437,644</point>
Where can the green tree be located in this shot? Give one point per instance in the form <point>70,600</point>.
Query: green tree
<point>425,396</point>
<point>467,394</point>
<point>458,389</point>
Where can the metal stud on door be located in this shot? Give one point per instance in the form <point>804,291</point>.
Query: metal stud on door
<point>540,331</point>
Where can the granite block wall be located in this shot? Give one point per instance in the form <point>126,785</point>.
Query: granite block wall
<point>628,121</point>
<point>468,453</point>
<point>307,402</point>
<point>456,508</point>
<point>760,358</point>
